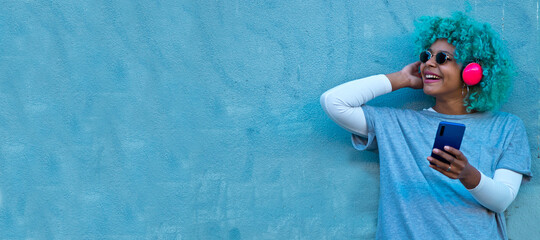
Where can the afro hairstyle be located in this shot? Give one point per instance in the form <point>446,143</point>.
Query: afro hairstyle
<point>474,42</point>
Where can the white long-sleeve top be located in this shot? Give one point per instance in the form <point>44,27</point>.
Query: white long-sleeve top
<point>343,104</point>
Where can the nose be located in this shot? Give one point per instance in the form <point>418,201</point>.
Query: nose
<point>431,62</point>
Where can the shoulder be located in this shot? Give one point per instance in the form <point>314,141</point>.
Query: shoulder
<point>504,115</point>
<point>507,118</point>
<point>507,122</point>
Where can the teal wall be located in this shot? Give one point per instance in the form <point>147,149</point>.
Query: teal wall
<point>201,120</point>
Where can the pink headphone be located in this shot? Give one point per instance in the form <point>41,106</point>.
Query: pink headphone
<point>472,74</point>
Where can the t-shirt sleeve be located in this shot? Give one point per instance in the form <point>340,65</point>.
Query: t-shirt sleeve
<point>517,155</point>
<point>370,142</point>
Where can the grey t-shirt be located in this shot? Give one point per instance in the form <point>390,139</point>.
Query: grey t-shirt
<point>417,202</point>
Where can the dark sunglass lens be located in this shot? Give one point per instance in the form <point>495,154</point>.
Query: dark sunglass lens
<point>425,56</point>
<point>441,58</point>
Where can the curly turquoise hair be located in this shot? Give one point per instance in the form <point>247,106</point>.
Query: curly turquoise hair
<point>474,41</point>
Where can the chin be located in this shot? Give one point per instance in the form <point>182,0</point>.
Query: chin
<point>429,91</point>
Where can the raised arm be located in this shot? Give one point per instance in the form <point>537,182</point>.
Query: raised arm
<point>343,102</point>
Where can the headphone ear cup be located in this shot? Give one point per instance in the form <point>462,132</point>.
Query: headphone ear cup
<point>472,74</point>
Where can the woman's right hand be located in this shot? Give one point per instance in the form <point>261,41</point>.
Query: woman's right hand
<point>409,76</point>
<point>412,74</point>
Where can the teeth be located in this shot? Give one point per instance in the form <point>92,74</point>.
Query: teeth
<point>432,76</point>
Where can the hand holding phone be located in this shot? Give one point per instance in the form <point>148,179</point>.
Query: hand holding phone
<point>448,134</point>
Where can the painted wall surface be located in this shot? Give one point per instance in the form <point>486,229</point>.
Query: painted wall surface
<point>201,119</point>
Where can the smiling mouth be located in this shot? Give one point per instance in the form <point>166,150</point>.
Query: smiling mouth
<point>430,78</point>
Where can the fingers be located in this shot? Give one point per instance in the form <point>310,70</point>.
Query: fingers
<point>449,174</point>
<point>416,68</point>
<point>417,75</point>
<point>438,163</point>
<point>457,163</point>
<point>413,67</point>
<point>444,155</point>
<point>443,167</point>
<point>440,166</point>
<point>455,152</point>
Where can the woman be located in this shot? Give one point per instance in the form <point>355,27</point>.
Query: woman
<point>420,196</point>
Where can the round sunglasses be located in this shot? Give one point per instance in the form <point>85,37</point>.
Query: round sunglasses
<point>440,57</point>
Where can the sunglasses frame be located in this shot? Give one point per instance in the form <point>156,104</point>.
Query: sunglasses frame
<point>440,57</point>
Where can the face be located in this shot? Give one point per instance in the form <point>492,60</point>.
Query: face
<point>442,80</point>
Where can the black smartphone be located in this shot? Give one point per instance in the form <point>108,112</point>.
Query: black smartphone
<point>448,134</point>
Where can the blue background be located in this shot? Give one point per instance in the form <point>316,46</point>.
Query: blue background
<point>201,119</point>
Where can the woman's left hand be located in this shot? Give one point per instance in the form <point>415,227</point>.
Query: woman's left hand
<point>459,167</point>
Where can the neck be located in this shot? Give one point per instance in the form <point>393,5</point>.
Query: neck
<point>451,107</point>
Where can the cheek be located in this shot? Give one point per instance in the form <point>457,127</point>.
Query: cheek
<point>453,73</point>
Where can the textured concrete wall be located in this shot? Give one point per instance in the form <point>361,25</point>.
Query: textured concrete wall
<point>201,119</point>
